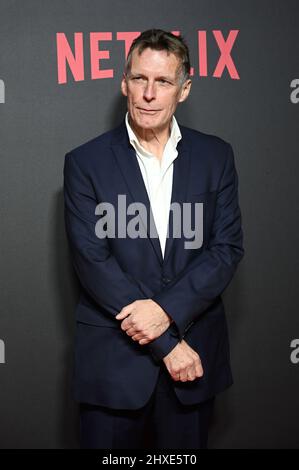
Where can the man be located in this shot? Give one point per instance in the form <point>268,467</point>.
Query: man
<point>151,348</point>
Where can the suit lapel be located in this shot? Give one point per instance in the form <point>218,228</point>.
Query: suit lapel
<point>129,168</point>
<point>181,170</point>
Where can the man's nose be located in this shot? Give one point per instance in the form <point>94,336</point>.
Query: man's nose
<point>149,91</point>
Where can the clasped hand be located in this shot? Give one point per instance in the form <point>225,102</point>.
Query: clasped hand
<point>143,320</point>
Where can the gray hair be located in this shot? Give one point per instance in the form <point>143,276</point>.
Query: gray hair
<point>160,40</point>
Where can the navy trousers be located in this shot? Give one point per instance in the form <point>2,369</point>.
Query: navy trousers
<point>163,423</point>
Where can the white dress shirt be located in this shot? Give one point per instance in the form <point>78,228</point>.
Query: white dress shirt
<point>157,176</point>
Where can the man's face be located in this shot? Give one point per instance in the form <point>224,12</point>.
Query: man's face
<point>153,88</point>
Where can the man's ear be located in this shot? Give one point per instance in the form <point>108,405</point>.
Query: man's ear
<point>186,87</point>
<point>124,86</point>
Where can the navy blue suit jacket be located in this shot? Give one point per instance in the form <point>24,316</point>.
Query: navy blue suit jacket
<point>110,369</point>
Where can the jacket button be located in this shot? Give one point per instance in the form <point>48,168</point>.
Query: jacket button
<point>166,280</point>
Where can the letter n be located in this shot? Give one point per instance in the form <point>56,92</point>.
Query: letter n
<point>65,55</point>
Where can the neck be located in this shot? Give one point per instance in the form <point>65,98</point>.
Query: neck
<point>153,140</point>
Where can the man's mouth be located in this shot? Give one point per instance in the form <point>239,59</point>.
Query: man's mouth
<point>148,111</point>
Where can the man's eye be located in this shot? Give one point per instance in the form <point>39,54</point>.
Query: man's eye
<point>163,81</point>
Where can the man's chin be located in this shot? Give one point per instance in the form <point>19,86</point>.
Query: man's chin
<point>148,123</point>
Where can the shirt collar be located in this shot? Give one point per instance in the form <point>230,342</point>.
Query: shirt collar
<point>175,136</point>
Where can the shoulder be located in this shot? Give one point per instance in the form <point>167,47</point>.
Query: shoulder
<point>94,148</point>
<point>208,150</point>
<point>201,139</point>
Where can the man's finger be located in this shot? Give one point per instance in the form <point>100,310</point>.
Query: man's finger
<point>176,377</point>
<point>125,311</point>
<point>183,375</point>
<point>131,332</point>
<point>198,369</point>
<point>191,373</point>
<point>143,341</point>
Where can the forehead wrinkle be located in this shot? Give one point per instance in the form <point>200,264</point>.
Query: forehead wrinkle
<point>156,75</point>
<point>141,70</point>
<point>144,70</point>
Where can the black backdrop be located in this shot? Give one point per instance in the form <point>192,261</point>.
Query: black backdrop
<point>41,119</point>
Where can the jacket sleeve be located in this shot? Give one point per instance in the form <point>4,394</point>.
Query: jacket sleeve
<point>98,270</point>
<point>189,294</point>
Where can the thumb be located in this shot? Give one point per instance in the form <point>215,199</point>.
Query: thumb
<point>124,312</point>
